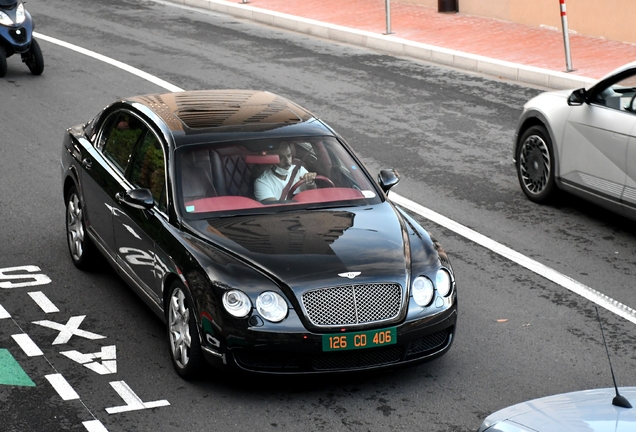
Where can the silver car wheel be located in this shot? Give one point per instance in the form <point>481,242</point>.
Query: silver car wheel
<point>75,227</point>
<point>179,328</point>
<point>534,164</point>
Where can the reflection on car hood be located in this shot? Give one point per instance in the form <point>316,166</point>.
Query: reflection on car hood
<point>589,410</point>
<point>303,246</point>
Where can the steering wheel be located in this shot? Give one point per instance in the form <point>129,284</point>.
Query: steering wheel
<point>322,179</point>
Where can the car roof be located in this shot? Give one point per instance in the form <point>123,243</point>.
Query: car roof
<point>588,410</point>
<point>221,115</point>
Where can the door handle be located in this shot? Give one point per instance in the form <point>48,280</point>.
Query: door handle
<point>87,163</point>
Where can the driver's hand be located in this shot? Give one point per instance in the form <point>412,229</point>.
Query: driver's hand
<point>310,178</point>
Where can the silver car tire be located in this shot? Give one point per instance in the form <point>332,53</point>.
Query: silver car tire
<point>183,338</point>
<point>535,165</point>
<point>79,243</point>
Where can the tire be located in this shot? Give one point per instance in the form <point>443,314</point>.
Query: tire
<point>183,337</point>
<point>80,245</point>
<point>34,59</point>
<point>535,165</point>
<point>3,63</point>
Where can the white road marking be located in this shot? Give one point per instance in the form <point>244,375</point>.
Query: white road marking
<point>3,313</point>
<point>28,346</point>
<point>68,330</point>
<point>94,426</point>
<point>133,402</point>
<point>565,281</point>
<point>108,355</point>
<point>110,61</point>
<point>43,301</point>
<point>37,279</point>
<point>62,387</point>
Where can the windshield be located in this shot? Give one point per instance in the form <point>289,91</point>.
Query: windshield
<point>269,176</point>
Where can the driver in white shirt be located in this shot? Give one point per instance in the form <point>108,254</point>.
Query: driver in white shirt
<point>270,185</point>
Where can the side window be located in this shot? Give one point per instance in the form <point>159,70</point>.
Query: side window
<point>148,168</point>
<point>120,140</point>
<point>620,95</point>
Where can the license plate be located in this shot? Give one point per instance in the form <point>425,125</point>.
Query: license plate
<point>359,340</point>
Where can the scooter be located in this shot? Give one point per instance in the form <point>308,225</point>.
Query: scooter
<point>16,37</point>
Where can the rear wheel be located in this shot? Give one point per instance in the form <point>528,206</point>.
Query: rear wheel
<point>34,59</point>
<point>3,63</point>
<point>535,165</point>
<point>185,347</point>
<point>80,245</point>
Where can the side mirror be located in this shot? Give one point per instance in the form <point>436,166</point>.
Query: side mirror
<point>577,97</point>
<point>136,198</point>
<point>387,178</point>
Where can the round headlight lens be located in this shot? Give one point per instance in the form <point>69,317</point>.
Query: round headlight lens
<point>422,290</point>
<point>271,306</point>
<point>237,303</point>
<point>443,282</point>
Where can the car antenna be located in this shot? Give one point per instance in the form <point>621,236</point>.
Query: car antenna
<point>618,400</point>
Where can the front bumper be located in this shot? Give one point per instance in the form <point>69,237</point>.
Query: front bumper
<point>418,341</point>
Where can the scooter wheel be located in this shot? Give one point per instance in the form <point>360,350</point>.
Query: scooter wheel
<point>34,59</point>
<point>3,63</point>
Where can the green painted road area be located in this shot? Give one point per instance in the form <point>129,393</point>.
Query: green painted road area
<point>11,373</point>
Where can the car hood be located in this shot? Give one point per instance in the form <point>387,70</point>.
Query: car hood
<point>309,247</point>
<point>548,96</point>
<point>589,410</point>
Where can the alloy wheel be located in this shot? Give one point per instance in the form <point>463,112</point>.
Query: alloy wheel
<point>534,164</point>
<point>75,227</point>
<point>179,328</point>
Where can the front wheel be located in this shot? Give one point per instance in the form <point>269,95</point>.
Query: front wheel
<point>185,346</point>
<point>80,245</point>
<point>3,63</point>
<point>34,59</point>
<point>535,165</point>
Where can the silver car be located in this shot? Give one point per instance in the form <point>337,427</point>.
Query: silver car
<point>582,411</point>
<point>583,142</point>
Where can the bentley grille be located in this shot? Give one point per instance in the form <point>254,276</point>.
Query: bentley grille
<point>353,304</point>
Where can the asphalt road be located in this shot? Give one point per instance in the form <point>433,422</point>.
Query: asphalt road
<point>449,134</point>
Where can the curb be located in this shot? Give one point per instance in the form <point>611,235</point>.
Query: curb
<point>393,45</point>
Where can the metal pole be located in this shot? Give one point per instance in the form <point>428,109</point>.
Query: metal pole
<point>566,37</point>
<point>388,16</point>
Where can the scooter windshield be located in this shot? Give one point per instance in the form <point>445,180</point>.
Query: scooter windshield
<point>8,3</point>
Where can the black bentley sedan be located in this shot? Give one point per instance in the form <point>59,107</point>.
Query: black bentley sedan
<point>253,230</point>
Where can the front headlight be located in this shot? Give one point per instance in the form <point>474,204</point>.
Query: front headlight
<point>271,306</point>
<point>443,282</point>
<point>422,290</point>
<point>237,303</point>
<point>20,16</point>
<point>5,20</point>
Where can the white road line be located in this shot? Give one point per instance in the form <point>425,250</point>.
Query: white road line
<point>565,281</point>
<point>94,426</point>
<point>532,265</point>
<point>3,313</point>
<point>62,387</point>
<point>110,61</point>
<point>43,301</point>
<point>28,346</point>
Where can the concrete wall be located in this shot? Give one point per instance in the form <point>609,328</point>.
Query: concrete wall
<point>609,19</point>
